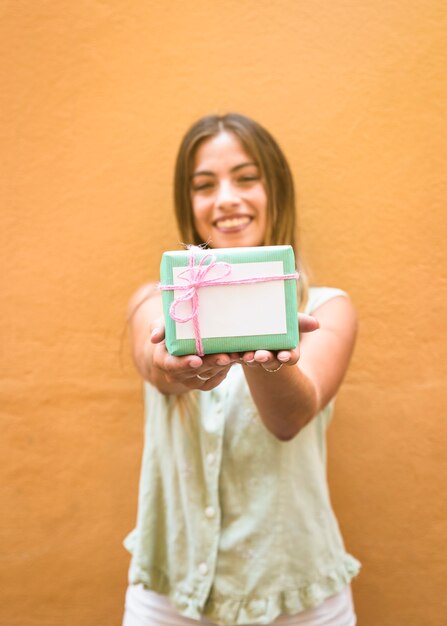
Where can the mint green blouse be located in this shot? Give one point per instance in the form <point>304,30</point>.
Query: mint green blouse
<point>234,524</point>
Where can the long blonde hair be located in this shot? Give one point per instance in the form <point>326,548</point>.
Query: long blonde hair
<point>275,171</point>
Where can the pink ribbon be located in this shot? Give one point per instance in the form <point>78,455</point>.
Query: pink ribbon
<point>196,276</point>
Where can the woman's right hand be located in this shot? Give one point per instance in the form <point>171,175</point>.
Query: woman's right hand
<point>177,374</point>
<point>169,374</point>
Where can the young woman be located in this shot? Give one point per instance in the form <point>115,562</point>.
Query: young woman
<point>234,523</point>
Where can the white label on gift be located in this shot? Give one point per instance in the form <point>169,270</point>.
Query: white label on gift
<point>237,310</point>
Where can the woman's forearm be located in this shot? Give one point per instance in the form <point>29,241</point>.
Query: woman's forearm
<point>286,400</point>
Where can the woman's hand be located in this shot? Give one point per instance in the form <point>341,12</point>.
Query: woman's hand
<point>169,374</point>
<point>182,373</point>
<point>273,361</point>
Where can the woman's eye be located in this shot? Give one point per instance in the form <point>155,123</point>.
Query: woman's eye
<point>202,186</point>
<point>248,179</point>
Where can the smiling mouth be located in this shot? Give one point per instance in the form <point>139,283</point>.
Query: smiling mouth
<point>233,224</point>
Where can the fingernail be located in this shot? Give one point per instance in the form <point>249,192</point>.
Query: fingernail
<point>283,357</point>
<point>195,364</point>
<point>222,362</point>
<point>154,332</point>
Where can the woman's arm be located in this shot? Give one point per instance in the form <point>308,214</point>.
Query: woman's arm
<point>289,398</point>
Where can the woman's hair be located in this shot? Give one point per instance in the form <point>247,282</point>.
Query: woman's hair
<point>275,172</point>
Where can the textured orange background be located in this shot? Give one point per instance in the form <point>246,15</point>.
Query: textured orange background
<point>94,98</point>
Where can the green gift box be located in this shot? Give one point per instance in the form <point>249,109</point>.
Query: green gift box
<point>229,299</point>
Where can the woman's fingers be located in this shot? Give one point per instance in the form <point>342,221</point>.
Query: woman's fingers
<point>289,357</point>
<point>191,370</point>
<point>271,360</point>
<point>157,335</point>
<point>307,323</point>
<point>175,367</point>
<point>158,330</point>
<point>214,381</point>
<point>268,360</point>
<point>214,369</point>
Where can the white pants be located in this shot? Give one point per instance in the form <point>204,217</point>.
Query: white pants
<point>146,608</point>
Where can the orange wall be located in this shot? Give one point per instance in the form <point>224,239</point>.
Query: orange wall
<point>94,98</point>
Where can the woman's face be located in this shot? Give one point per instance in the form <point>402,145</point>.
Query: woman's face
<point>228,196</point>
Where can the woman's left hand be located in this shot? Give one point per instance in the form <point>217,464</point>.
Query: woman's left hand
<point>273,361</point>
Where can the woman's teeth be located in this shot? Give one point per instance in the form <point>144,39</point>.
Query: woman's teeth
<point>233,222</point>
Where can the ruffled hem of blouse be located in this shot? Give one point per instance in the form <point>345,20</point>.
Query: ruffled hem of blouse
<point>230,612</point>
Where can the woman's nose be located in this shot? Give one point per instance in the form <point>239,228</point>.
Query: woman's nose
<point>226,197</point>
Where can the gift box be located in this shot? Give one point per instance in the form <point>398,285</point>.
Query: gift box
<point>229,299</point>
